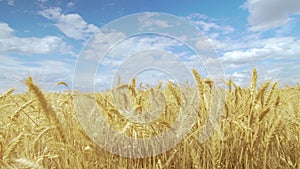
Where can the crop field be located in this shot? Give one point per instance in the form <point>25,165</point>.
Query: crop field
<point>258,127</point>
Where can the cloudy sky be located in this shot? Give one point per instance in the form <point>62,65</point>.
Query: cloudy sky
<point>93,41</point>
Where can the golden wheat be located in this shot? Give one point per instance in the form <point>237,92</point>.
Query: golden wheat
<point>260,127</point>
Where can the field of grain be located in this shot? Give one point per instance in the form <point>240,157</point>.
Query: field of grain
<point>259,128</point>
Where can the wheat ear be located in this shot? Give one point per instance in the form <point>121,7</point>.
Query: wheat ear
<point>7,93</point>
<point>48,111</point>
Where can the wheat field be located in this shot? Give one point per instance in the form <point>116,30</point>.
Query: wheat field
<point>259,127</point>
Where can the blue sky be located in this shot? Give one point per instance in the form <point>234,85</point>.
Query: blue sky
<point>44,39</point>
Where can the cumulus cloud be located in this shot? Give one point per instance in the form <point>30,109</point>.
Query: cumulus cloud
<point>32,45</point>
<point>275,58</point>
<point>277,47</point>
<point>251,49</point>
<point>100,44</point>
<point>268,14</point>
<point>72,25</point>
<point>16,70</point>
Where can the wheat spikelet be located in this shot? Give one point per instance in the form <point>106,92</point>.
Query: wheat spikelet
<point>132,90</point>
<point>254,79</point>
<point>174,93</point>
<point>133,83</point>
<point>236,96</point>
<point>7,93</point>
<point>209,82</point>
<point>277,101</point>
<point>229,85</point>
<point>251,113</point>
<point>261,92</point>
<point>271,93</point>
<point>263,113</point>
<point>199,82</point>
<point>200,88</point>
<point>263,89</point>
<point>132,86</point>
<point>159,85</point>
<point>138,103</point>
<point>48,111</point>
<point>226,110</point>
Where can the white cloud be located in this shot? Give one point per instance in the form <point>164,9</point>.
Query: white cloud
<point>100,44</point>
<point>288,71</point>
<point>119,46</point>
<point>277,47</point>
<point>72,25</point>
<point>32,45</point>
<point>131,56</point>
<point>197,16</point>
<point>276,59</point>
<point>208,25</point>
<point>148,21</point>
<point>242,57</point>
<point>45,73</point>
<point>268,14</point>
<point>149,66</point>
<point>239,54</point>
